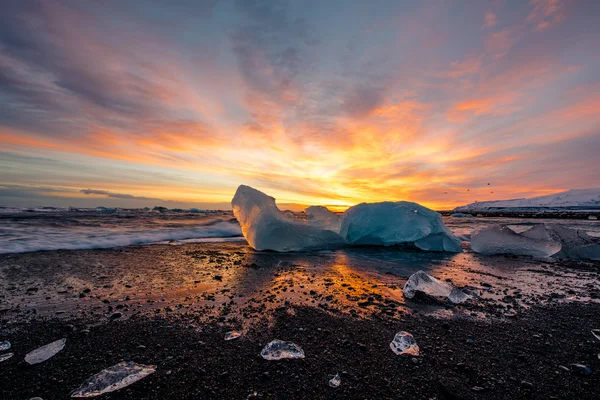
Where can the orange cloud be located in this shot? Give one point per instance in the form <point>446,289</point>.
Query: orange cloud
<point>496,106</point>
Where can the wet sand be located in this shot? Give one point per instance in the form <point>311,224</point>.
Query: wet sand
<point>171,305</point>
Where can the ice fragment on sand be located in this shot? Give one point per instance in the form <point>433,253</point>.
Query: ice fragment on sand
<point>404,343</point>
<point>388,223</point>
<point>500,239</point>
<point>596,333</point>
<point>580,369</point>
<point>265,227</point>
<point>232,335</point>
<point>576,244</point>
<point>321,217</point>
<point>422,282</point>
<point>43,353</point>
<point>4,357</point>
<point>278,349</point>
<point>113,378</point>
<point>4,345</point>
<point>335,381</point>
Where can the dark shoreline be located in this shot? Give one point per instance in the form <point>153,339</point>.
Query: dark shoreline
<point>175,303</point>
<point>521,358</point>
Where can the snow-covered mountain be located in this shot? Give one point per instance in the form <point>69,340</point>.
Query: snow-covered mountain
<point>574,198</point>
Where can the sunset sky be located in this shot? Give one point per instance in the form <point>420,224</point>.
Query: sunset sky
<point>176,103</point>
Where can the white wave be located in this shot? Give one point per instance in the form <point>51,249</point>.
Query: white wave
<point>51,239</point>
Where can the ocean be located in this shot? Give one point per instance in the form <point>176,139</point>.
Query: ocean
<point>51,228</point>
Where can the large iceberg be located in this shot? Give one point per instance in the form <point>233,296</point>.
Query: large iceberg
<point>500,239</point>
<point>265,227</point>
<point>390,223</point>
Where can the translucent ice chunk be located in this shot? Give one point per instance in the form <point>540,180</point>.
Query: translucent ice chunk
<point>576,244</point>
<point>335,381</point>
<point>420,281</point>
<point>113,378</point>
<point>265,227</point>
<point>388,223</point>
<point>500,239</point>
<point>232,335</point>
<point>461,215</point>
<point>596,333</point>
<point>321,217</point>
<point>43,353</point>
<point>278,349</point>
<point>4,357</point>
<point>404,343</point>
<point>4,345</point>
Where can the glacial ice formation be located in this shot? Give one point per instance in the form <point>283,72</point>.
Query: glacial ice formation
<point>113,378</point>
<point>265,227</point>
<point>500,239</point>
<point>404,343</point>
<point>422,282</point>
<point>388,223</point>
<point>575,244</point>
<point>554,240</point>
<point>43,353</point>
<point>321,217</point>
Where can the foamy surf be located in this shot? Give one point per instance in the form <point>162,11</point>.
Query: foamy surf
<point>75,231</point>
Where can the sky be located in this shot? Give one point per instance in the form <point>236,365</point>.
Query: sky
<point>176,103</point>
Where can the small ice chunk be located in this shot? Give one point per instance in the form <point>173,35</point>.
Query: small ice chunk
<point>404,343</point>
<point>279,349</point>
<point>335,381</point>
<point>461,215</point>
<point>43,353</point>
<point>175,243</point>
<point>265,227</point>
<point>5,345</point>
<point>321,217</point>
<point>596,333</point>
<point>232,335</point>
<point>113,378</point>
<point>4,357</point>
<point>391,223</point>
<point>422,282</point>
<point>500,239</point>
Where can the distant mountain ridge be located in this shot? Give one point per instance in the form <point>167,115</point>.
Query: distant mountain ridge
<point>573,199</point>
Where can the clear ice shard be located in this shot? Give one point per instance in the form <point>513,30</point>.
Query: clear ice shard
<point>265,227</point>
<point>4,357</point>
<point>113,378</point>
<point>321,217</point>
<point>279,349</point>
<point>596,333</point>
<point>232,335</point>
<point>422,282</point>
<point>5,345</point>
<point>500,239</point>
<point>404,343</point>
<point>43,353</point>
<point>576,244</point>
<point>391,223</point>
<point>335,381</point>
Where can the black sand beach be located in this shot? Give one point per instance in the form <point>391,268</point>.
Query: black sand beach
<point>170,306</point>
